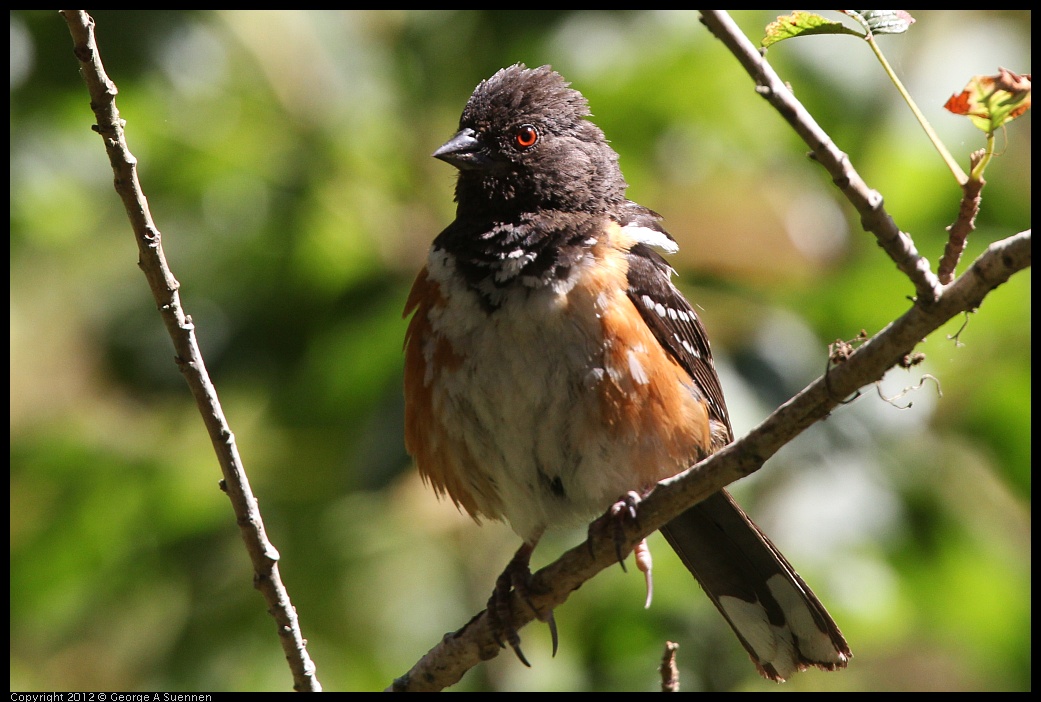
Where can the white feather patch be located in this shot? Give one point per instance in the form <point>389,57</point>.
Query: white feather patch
<point>814,644</point>
<point>782,646</point>
<point>651,237</point>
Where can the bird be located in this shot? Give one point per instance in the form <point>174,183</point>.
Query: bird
<point>553,370</point>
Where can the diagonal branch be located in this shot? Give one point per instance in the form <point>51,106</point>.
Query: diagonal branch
<point>868,202</point>
<point>458,651</point>
<point>189,359</point>
<point>964,224</point>
<point>448,661</point>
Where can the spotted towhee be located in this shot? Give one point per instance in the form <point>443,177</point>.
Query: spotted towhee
<point>551,366</point>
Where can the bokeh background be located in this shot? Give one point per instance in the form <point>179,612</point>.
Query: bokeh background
<point>286,158</point>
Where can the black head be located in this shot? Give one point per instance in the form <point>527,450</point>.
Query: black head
<point>524,143</point>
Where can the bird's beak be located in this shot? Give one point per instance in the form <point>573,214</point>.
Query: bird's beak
<point>464,151</point>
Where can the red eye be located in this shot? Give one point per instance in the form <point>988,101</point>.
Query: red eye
<point>525,136</point>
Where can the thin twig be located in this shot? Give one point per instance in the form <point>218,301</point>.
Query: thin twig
<point>868,202</point>
<point>670,674</point>
<point>965,224</point>
<point>457,652</point>
<point>189,359</point>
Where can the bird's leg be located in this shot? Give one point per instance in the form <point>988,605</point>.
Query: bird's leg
<point>642,556</point>
<point>516,577</point>
<point>622,510</point>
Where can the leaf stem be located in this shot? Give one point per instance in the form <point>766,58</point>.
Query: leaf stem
<point>977,170</point>
<point>959,174</point>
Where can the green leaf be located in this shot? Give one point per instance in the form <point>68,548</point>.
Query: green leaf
<point>799,23</point>
<point>992,101</point>
<point>882,21</point>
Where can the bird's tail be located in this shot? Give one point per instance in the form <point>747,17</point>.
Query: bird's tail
<point>778,619</point>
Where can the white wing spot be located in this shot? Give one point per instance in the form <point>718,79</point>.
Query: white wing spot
<point>686,346</point>
<point>652,237</point>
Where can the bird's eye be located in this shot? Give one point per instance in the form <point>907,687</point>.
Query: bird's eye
<point>525,137</point>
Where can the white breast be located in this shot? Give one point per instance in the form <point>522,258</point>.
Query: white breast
<point>525,399</point>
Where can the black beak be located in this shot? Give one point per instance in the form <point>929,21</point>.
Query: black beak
<point>464,151</point>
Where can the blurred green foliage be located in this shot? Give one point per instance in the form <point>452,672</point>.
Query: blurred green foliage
<point>286,160</point>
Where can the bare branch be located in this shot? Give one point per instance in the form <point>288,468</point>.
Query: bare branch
<point>670,675</point>
<point>188,357</point>
<point>459,651</point>
<point>868,202</point>
<point>964,225</point>
<point>448,661</point>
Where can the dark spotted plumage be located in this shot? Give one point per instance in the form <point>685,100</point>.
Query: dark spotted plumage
<point>552,366</point>
<point>678,329</point>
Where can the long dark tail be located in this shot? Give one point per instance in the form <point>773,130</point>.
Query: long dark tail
<point>778,619</point>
